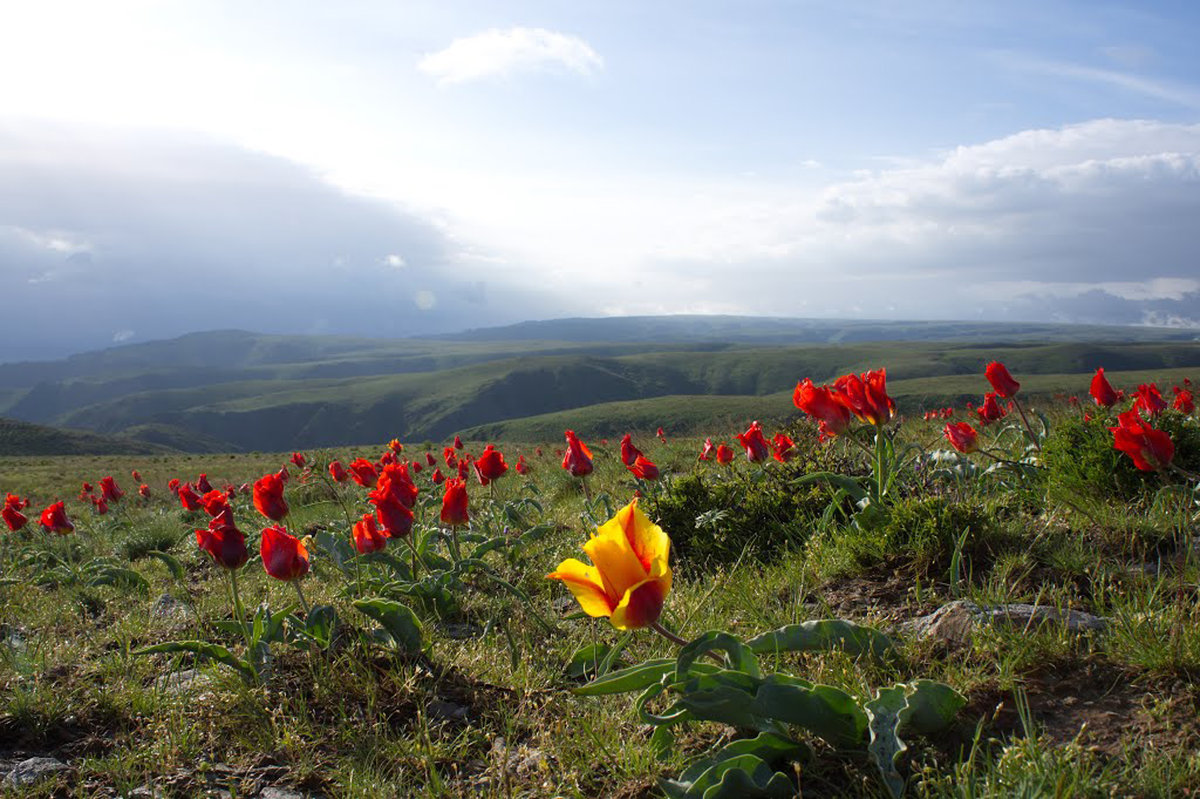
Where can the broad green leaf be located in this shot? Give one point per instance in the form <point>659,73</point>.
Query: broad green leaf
<point>738,777</point>
<point>118,577</point>
<point>822,709</point>
<point>851,485</point>
<point>823,635</point>
<point>885,746</point>
<point>633,678</point>
<point>931,706</point>
<point>170,561</point>
<point>396,619</point>
<point>738,656</point>
<point>203,649</point>
<point>725,696</point>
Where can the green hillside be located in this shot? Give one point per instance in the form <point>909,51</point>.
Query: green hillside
<point>23,438</point>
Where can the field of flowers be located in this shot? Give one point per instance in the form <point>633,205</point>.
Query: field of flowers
<point>996,600</point>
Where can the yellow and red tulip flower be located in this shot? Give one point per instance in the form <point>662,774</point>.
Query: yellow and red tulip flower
<point>630,578</point>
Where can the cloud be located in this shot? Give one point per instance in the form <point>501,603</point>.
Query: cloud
<point>1186,96</point>
<point>504,52</point>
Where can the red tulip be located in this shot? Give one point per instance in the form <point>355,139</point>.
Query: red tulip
<point>454,502</point>
<point>101,505</point>
<point>990,411</point>
<point>781,447</point>
<point>110,490</point>
<point>12,515</point>
<point>458,443</point>
<point>173,485</point>
<point>54,519</point>
<point>629,452</point>
<point>363,472</point>
<point>1184,402</point>
<point>298,459</point>
<point>268,497</point>
<point>387,458</point>
<point>87,488</point>
<point>578,458</point>
<point>224,542</point>
<point>395,481</point>
<point>430,460</point>
<point>437,477</point>
<point>661,436</point>
<point>284,556</point>
<point>188,498</point>
<point>395,446</point>
<point>962,437</point>
<point>997,374</point>
<point>1150,449</point>
<point>643,468</point>
<point>136,475</point>
<point>416,467</point>
<point>490,465</point>
<point>367,535</point>
<point>522,467</point>
<point>1101,391</point>
<point>865,396</point>
<point>821,404</point>
<point>338,472</point>
<point>214,502</point>
<point>202,484</point>
<point>393,515</point>
<point>755,443</point>
<point>144,491</point>
<point>724,454</point>
<point>707,451</point>
<point>1149,401</point>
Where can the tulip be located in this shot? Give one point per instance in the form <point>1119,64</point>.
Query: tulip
<point>490,465</point>
<point>578,458</point>
<point>990,411</point>
<point>298,459</point>
<point>458,443</point>
<point>54,519</point>
<point>707,451</point>
<point>101,505</point>
<point>188,498</point>
<point>395,481</point>
<point>437,477</point>
<point>395,446</point>
<point>1184,402</point>
<point>962,437</point>
<point>202,484</point>
<point>224,542</point>
<point>821,404</point>
<point>1149,401</point>
<point>755,443</point>
<point>724,454</point>
<point>781,447</point>
<point>11,513</point>
<point>454,503</point>
<point>214,502</point>
<point>144,491</point>
<point>643,468</point>
<point>629,452</point>
<point>338,472</point>
<point>430,460</point>
<point>1150,449</point>
<point>522,467</point>
<point>284,556</point>
<point>173,485</point>
<point>393,514</point>
<point>268,497</point>
<point>630,578</point>
<point>661,436</point>
<point>110,490</point>
<point>865,396</point>
<point>1004,384</point>
<point>367,536</point>
<point>363,472</point>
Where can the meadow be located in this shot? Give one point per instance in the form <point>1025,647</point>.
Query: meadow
<point>863,607</point>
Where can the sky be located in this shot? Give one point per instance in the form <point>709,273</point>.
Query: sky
<point>394,168</point>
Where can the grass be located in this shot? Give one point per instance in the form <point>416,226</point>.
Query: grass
<point>486,710</point>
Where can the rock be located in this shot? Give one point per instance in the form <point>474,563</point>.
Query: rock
<point>182,682</point>
<point>954,621</point>
<point>35,769</point>
<point>447,711</point>
<point>280,793</point>
<point>168,608</point>
<point>459,631</point>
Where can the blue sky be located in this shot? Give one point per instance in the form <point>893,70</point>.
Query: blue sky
<point>390,168</point>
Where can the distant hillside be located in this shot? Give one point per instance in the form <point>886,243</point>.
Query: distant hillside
<point>237,391</point>
<point>22,438</point>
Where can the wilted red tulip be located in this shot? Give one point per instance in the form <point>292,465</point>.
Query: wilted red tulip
<point>338,472</point>
<point>578,458</point>
<point>54,519</point>
<point>865,396</point>
<point>1150,449</point>
<point>707,451</point>
<point>629,452</point>
<point>755,443</point>
<point>724,454</point>
<point>990,411</point>
<point>144,491</point>
<point>224,542</point>
<point>1149,401</point>
<point>1184,402</point>
<point>202,484</point>
<point>367,535</point>
<point>458,443</point>
<point>268,497</point>
<point>643,468</point>
<point>363,472</point>
<point>188,498</point>
<point>962,437</point>
<point>1102,392</point>
<point>490,465</point>
<point>454,503</point>
<point>298,459</point>
<point>284,556</point>
<point>110,490</point>
<point>11,513</point>
<point>782,447</point>
<point>997,374</point>
<point>214,502</point>
<point>821,404</point>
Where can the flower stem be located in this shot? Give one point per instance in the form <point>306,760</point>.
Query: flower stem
<point>238,612</point>
<point>303,602</point>
<point>1025,420</point>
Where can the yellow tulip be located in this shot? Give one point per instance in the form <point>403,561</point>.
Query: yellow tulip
<point>630,578</point>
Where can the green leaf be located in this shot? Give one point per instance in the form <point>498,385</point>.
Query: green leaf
<point>203,649</point>
<point>319,627</point>
<point>738,656</point>
<point>633,678</point>
<point>851,485</point>
<point>726,696</point>
<point>823,635</point>
<point>118,577</point>
<point>931,706</point>
<point>886,746</point>
<point>170,561</point>
<point>768,746</point>
<point>822,709</point>
<point>741,776</point>
<point>397,620</point>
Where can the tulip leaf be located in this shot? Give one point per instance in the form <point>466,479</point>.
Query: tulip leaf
<point>931,707</point>
<point>203,649</point>
<point>118,577</point>
<point>886,746</point>
<point>733,778</point>
<point>633,678</point>
<point>851,485</point>
<point>170,561</point>
<point>726,696</point>
<point>823,710</point>
<point>397,620</point>
<point>823,635</point>
<point>738,655</point>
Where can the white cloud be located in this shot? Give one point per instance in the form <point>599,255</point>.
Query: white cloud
<point>503,52</point>
<point>395,261</point>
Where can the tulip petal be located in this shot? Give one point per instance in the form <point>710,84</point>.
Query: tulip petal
<point>585,583</point>
<point>641,605</point>
<point>612,552</point>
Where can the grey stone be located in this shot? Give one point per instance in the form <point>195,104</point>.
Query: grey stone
<point>955,620</point>
<point>35,769</point>
<point>280,793</point>
<point>168,608</point>
<point>447,711</point>
<point>181,682</point>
